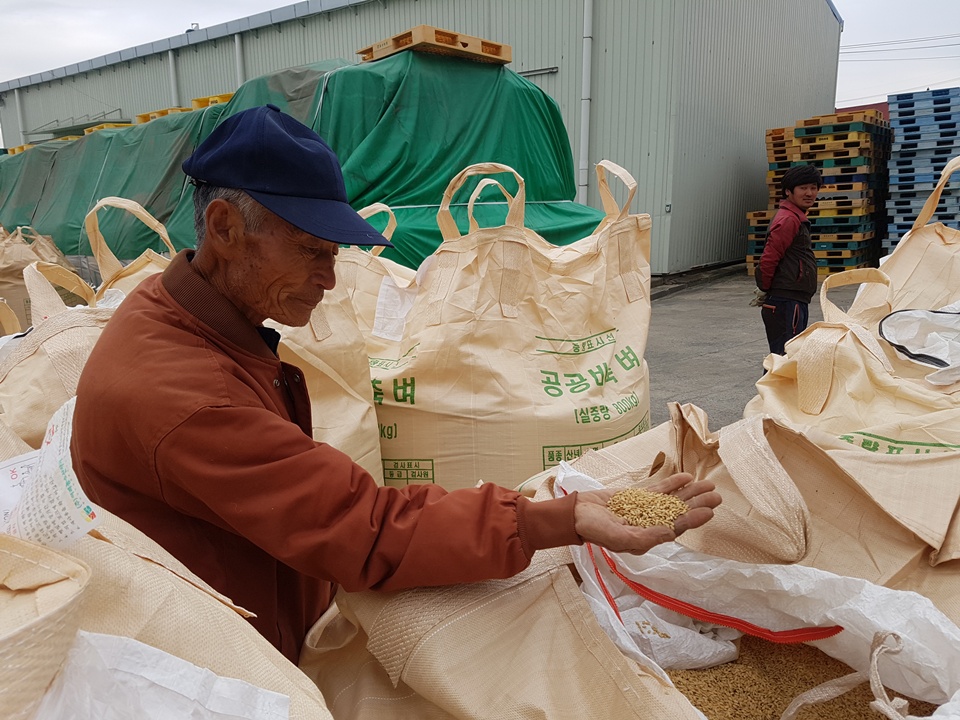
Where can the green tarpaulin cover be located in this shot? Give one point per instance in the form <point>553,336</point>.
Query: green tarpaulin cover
<point>402,127</point>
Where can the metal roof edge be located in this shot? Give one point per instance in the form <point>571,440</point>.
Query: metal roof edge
<point>286,13</point>
<point>836,13</point>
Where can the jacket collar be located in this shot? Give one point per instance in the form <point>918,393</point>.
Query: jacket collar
<point>787,205</point>
<point>199,298</point>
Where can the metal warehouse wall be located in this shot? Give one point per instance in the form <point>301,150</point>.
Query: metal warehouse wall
<point>681,91</point>
<point>740,67</point>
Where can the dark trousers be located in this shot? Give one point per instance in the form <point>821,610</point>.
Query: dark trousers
<point>783,318</point>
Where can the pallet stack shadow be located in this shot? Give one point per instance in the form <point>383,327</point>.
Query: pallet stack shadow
<point>926,129</point>
<point>849,220</point>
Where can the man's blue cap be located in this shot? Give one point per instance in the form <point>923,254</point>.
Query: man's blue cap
<point>286,167</point>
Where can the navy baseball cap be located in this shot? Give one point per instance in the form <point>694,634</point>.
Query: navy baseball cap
<point>286,167</point>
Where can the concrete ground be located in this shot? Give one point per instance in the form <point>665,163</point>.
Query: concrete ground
<point>707,343</point>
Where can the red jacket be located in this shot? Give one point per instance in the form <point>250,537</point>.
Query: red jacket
<point>788,267</point>
<point>189,427</point>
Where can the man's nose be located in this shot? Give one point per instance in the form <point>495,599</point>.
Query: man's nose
<point>325,275</point>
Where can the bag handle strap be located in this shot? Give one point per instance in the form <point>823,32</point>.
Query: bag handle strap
<point>761,477</point>
<point>891,708</point>
<point>817,355</point>
<point>930,206</point>
<point>369,211</point>
<point>386,266</point>
<point>486,182</point>
<point>61,277</point>
<point>448,227</point>
<point>860,276</point>
<point>106,260</point>
<point>319,323</point>
<point>9,321</point>
<point>610,205</point>
<point>45,301</point>
<point>28,234</point>
<point>515,255</point>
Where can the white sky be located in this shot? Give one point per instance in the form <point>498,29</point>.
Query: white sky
<point>37,35</point>
<point>867,76</point>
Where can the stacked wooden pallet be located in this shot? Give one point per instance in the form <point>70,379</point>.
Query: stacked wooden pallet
<point>851,151</point>
<point>200,103</point>
<point>104,126</point>
<point>154,114</point>
<point>426,38</point>
<point>926,128</point>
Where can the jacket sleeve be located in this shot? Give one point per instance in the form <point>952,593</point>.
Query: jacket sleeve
<point>307,504</point>
<point>782,231</point>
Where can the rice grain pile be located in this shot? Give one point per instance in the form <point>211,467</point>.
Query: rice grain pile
<point>643,508</point>
<point>767,676</point>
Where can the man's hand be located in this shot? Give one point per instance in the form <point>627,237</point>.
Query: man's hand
<point>594,523</point>
<point>759,298</point>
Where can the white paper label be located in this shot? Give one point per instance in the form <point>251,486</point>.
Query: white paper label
<point>52,508</point>
<point>393,305</point>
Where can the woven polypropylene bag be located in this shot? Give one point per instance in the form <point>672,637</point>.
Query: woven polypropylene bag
<point>44,247</point>
<point>380,290</point>
<point>524,647</point>
<point>42,371</point>
<point>850,392</point>
<point>516,354</point>
<point>786,499</point>
<point>41,594</point>
<point>839,376</point>
<point>114,274</point>
<point>924,267</point>
<point>15,255</point>
<point>11,444</point>
<point>9,322</point>
<point>139,590</point>
<point>329,350</point>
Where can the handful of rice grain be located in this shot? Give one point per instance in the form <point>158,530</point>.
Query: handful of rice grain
<point>643,508</point>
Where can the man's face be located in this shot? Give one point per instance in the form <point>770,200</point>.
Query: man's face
<point>804,196</point>
<point>283,273</point>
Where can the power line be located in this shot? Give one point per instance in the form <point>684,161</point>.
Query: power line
<point>927,86</point>
<point>932,57</point>
<point>905,49</point>
<point>899,42</point>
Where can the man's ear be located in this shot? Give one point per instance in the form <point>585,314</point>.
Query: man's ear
<point>224,225</point>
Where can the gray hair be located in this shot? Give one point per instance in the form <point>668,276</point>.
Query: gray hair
<point>253,213</point>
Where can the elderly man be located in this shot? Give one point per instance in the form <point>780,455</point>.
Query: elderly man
<point>189,427</point>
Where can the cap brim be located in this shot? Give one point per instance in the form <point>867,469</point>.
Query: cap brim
<point>326,219</point>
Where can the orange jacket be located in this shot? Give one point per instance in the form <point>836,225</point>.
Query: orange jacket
<point>189,427</point>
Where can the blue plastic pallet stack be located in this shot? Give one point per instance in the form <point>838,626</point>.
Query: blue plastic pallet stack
<point>926,127</point>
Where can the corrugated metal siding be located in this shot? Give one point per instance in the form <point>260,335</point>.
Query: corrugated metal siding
<point>631,119</point>
<point>742,66</point>
<point>283,46</point>
<point>207,69</point>
<point>103,94</point>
